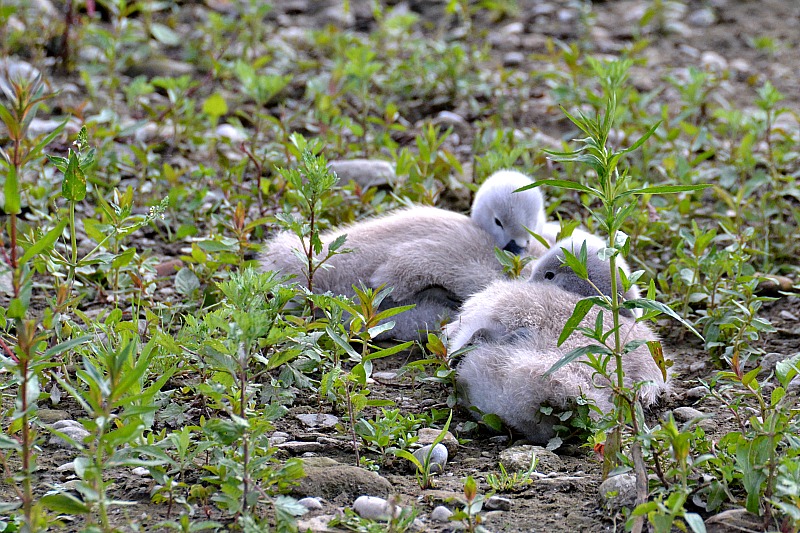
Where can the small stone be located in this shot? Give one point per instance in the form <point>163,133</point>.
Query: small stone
<point>365,172</point>
<point>385,377</point>
<point>66,467</point>
<point>618,492</point>
<point>514,28</point>
<point>497,503</point>
<point>702,18</point>
<point>438,457</point>
<point>448,119</point>
<point>159,66</point>
<point>771,359</point>
<point>441,514</point>
<point>235,136</point>
<point>771,284</point>
<point>49,416</point>
<point>70,428</point>
<point>335,482</point>
<point>787,315</point>
<point>315,524</point>
<point>318,420</point>
<point>499,439</point>
<point>279,437</point>
<point>312,504</point>
<point>301,447</point>
<point>713,61</point>
<point>374,508</point>
<point>141,471</point>
<point>518,458</point>
<point>733,521</point>
<point>167,268</point>
<point>685,414</point>
<point>698,366</point>
<point>513,59</point>
<point>426,436</point>
<point>696,393</point>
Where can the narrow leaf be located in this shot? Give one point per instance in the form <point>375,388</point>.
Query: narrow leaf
<point>45,242</point>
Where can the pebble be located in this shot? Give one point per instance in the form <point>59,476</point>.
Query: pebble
<point>66,467</point>
<point>365,172</point>
<point>732,521</point>
<point>159,66</point>
<point>315,523</point>
<point>16,69</point>
<point>318,420</point>
<point>426,436</point>
<point>384,377</point>
<point>441,514</point>
<point>518,458</point>
<point>338,483</point>
<point>49,416</point>
<point>141,471</point>
<point>448,119</point>
<point>787,315</point>
<point>685,414</point>
<point>618,491</point>
<point>235,136</point>
<point>713,61</point>
<point>702,18</point>
<point>513,59</point>
<point>72,429</point>
<point>770,360</point>
<point>438,458</point>
<point>498,503</point>
<point>295,446</point>
<point>279,437</point>
<point>374,508</point>
<point>312,504</point>
<point>698,366</point>
<point>696,393</point>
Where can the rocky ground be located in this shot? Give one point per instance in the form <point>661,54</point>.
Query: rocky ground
<point>716,35</point>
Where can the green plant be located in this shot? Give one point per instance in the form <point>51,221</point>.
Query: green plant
<point>470,515</point>
<point>114,393</point>
<point>505,482</point>
<point>424,467</point>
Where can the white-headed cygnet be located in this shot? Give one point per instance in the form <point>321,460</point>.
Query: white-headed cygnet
<point>515,326</point>
<point>431,257</point>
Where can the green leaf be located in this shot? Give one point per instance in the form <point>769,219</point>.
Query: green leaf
<point>642,139</point>
<point>165,34</point>
<point>575,354</point>
<point>578,314</point>
<point>215,106</point>
<point>787,369</point>
<point>493,421</point>
<point>73,188</point>
<point>695,522</point>
<point>652,305</point>
<point>563,184</point>
<point>34,152</point>
<point>186,282</point>
<point>665,189</point>
<point>64,503</point>
<point>58,349</point>
<point>13,203</point>
<point>45,242</point>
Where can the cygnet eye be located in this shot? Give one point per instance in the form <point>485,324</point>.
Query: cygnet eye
<point>549,275</point>
<point>497,221</point>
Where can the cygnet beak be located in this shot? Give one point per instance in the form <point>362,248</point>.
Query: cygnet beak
<point>513,247</point>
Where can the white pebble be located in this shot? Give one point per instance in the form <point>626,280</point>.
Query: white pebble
<point>438,458</point>
<point>441,514</point>
<point>374,508</point>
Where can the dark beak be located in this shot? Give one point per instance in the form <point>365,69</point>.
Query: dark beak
<point>513,247</point>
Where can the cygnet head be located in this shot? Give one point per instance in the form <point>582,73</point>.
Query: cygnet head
<point>505,214</point>
<point>550,268</point>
